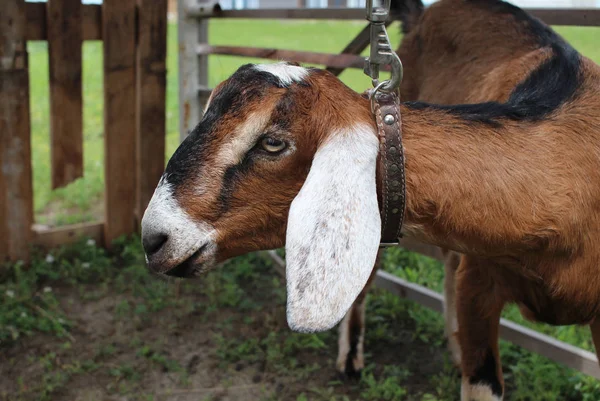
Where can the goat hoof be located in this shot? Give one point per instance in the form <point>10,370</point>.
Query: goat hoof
<point>350,368</point>
<point>349,374</point>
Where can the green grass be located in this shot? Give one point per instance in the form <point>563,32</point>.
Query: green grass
<point>29,310</point>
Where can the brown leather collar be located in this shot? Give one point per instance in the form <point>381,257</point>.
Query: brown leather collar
<point>390,166</point>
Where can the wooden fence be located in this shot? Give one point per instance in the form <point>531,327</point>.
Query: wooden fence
<point>193,75</point>
<point>134,35</point>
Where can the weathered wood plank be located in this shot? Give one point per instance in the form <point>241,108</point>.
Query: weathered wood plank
<point>193,69</point>
<point>91,20</point>
<point>48,239</point>
<point>66,108</point>
<point>16,192</point>
<point>573,17</point>
<point>332,60</point>
<point>118,33</point>
<point>151,98</point>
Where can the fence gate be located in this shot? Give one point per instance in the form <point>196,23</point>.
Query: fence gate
<point>134,34</point>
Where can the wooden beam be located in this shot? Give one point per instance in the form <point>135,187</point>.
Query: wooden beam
<point>333,60</point>
<point>151,98</point>
<point>118,33</point>
<point>16,191</point>
<point>91,20</point>
<point>51,238</point>
<point>66,107</point>
<point>572,17</point>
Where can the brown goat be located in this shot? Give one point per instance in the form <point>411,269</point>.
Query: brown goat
<point>454,52</point>
<point>287,154</point>
<point>451,56</point>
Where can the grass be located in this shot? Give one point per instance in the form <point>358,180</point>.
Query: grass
<point>31,307</point>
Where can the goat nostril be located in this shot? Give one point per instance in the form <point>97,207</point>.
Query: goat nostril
<point>153,243</point>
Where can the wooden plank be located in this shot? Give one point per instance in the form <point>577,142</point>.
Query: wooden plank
<point>66,107</point>
<point>558,351</point>
<point>193,68</point>
<point>92,22</point>
<point>333,60</point>
<point>91,16</point>
<point>356,46</point>
<point>51,238</point>
<point>151,98</point>
<point>566,354</point>
<point>574,17</point>
<point>118,32</point>
<point>293,13</point>
<point>16,191</point>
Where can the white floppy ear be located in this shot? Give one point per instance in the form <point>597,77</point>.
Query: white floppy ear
<point>333,231</point>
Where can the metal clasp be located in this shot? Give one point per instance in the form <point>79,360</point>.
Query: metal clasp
<point>381,49</point>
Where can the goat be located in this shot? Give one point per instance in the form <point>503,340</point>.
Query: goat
<point>454,52</point>
<point>288,154</point>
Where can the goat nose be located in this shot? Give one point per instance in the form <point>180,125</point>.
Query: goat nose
<point>153,242</point>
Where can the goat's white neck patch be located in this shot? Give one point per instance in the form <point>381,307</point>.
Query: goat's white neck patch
<point>333,231</point>
<point>287,74</point>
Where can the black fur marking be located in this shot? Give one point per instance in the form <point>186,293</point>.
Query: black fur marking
<point>354,337</point>
<point>486,374</point>
<point>230,179</point>
<point>245,85</point>
<point>552,84</point>
<point>407,11</point>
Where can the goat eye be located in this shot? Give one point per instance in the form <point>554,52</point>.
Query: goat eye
<point>272,145</point>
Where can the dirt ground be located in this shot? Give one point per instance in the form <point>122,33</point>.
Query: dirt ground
<point>223,337</point>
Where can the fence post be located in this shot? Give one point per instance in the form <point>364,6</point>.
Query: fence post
<point>151,98</point>
<point>118,34</point>
<point>16,190</point>
<point>65,36</point>
<point>193,68</point>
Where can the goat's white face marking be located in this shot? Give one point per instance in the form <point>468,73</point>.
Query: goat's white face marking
<point>245,137</point>
<point>333,231</point>
<point>287,74</point>
<point>184,236</point>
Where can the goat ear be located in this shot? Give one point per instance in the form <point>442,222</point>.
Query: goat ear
<point>333,231</point>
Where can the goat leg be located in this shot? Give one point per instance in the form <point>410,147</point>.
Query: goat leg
<point>478,309</point>
<point>350,360</point>
<point>451,263</point>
